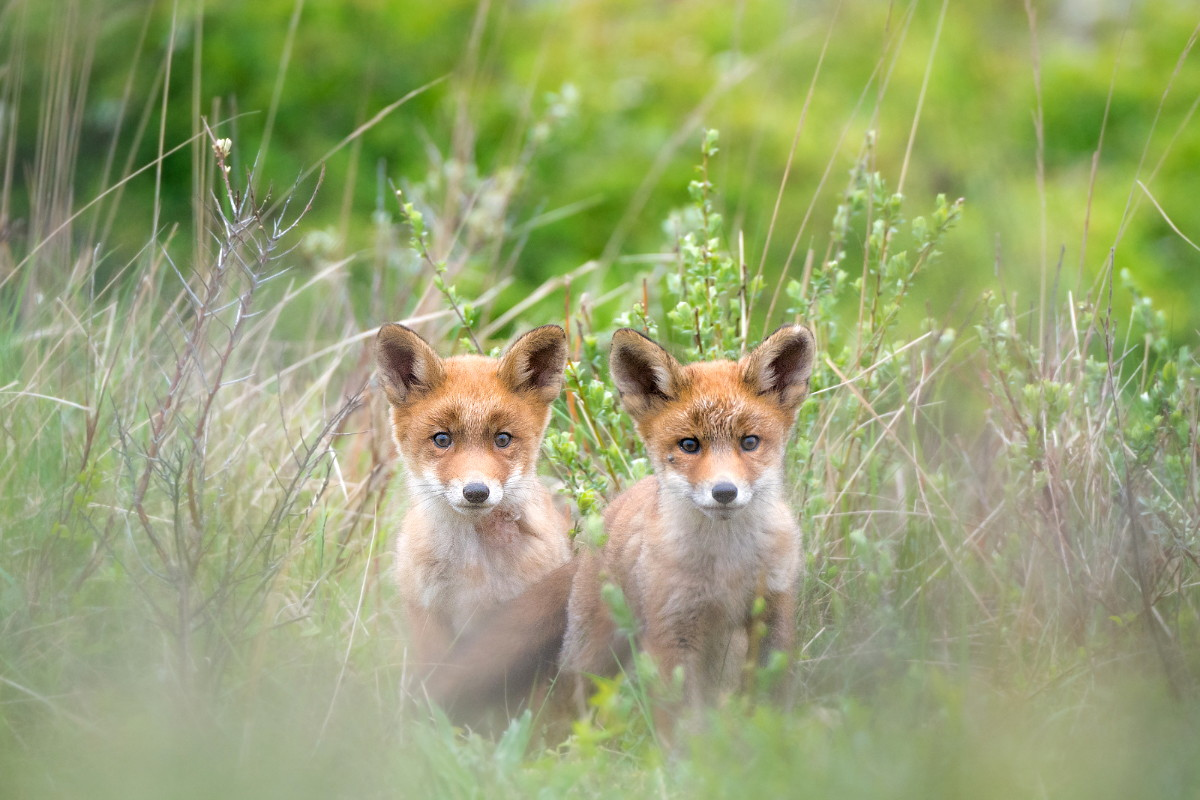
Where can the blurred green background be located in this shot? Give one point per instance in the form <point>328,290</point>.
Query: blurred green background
<point>584,119</point>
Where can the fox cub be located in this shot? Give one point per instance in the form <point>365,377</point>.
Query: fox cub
<point>480,528</point>
<point>692,546</point>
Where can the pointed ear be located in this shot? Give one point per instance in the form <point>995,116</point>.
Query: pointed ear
<point>644,372</point>
<point>407,364</point>
<point>535,362</point>
<point>780,367</point>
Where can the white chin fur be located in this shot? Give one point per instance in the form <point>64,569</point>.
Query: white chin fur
<point>702,500</point>
<point>454,496</point>
<point>718,511</point>
<point>451,493</point>
<point>472,510</point>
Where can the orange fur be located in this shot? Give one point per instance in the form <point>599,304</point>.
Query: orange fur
<point>480,528</point>
<point>693,546</point>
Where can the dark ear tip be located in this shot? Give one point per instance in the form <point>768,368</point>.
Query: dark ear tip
<point>630,336</point>
<point>794,329</point>
<point>792,336</point>
<point>544,333</point>
<point>392,330</point>
<point>555,333</point>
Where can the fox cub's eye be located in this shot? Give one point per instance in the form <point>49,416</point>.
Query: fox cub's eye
<point>442,439</point>
<point>503,439</point>
<point>689,445</point>
<point>749,443</point>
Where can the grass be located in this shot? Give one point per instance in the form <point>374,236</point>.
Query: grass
<point>1001,509</point>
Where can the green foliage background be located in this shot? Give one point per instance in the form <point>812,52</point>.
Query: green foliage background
<point>642,79</point>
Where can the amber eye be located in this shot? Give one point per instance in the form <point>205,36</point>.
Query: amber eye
<point>749,443</point>
<point>503,439</point>
<point>689,445</point>
<point>442,439</point>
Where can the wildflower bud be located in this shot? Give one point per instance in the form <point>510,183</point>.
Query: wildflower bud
<point>222,148</point>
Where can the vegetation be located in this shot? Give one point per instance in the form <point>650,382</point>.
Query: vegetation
<point>997,475</point>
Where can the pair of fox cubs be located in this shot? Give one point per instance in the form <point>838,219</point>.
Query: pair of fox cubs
<point>496,600</point>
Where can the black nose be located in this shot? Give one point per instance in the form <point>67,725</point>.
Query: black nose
<point>724,492</point>
<point>476,492</point>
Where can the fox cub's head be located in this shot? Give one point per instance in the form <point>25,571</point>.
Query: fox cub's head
<point>716,431</point>
<point>469,428</point>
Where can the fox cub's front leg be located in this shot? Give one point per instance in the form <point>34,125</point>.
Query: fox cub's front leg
<point>780,619</point>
